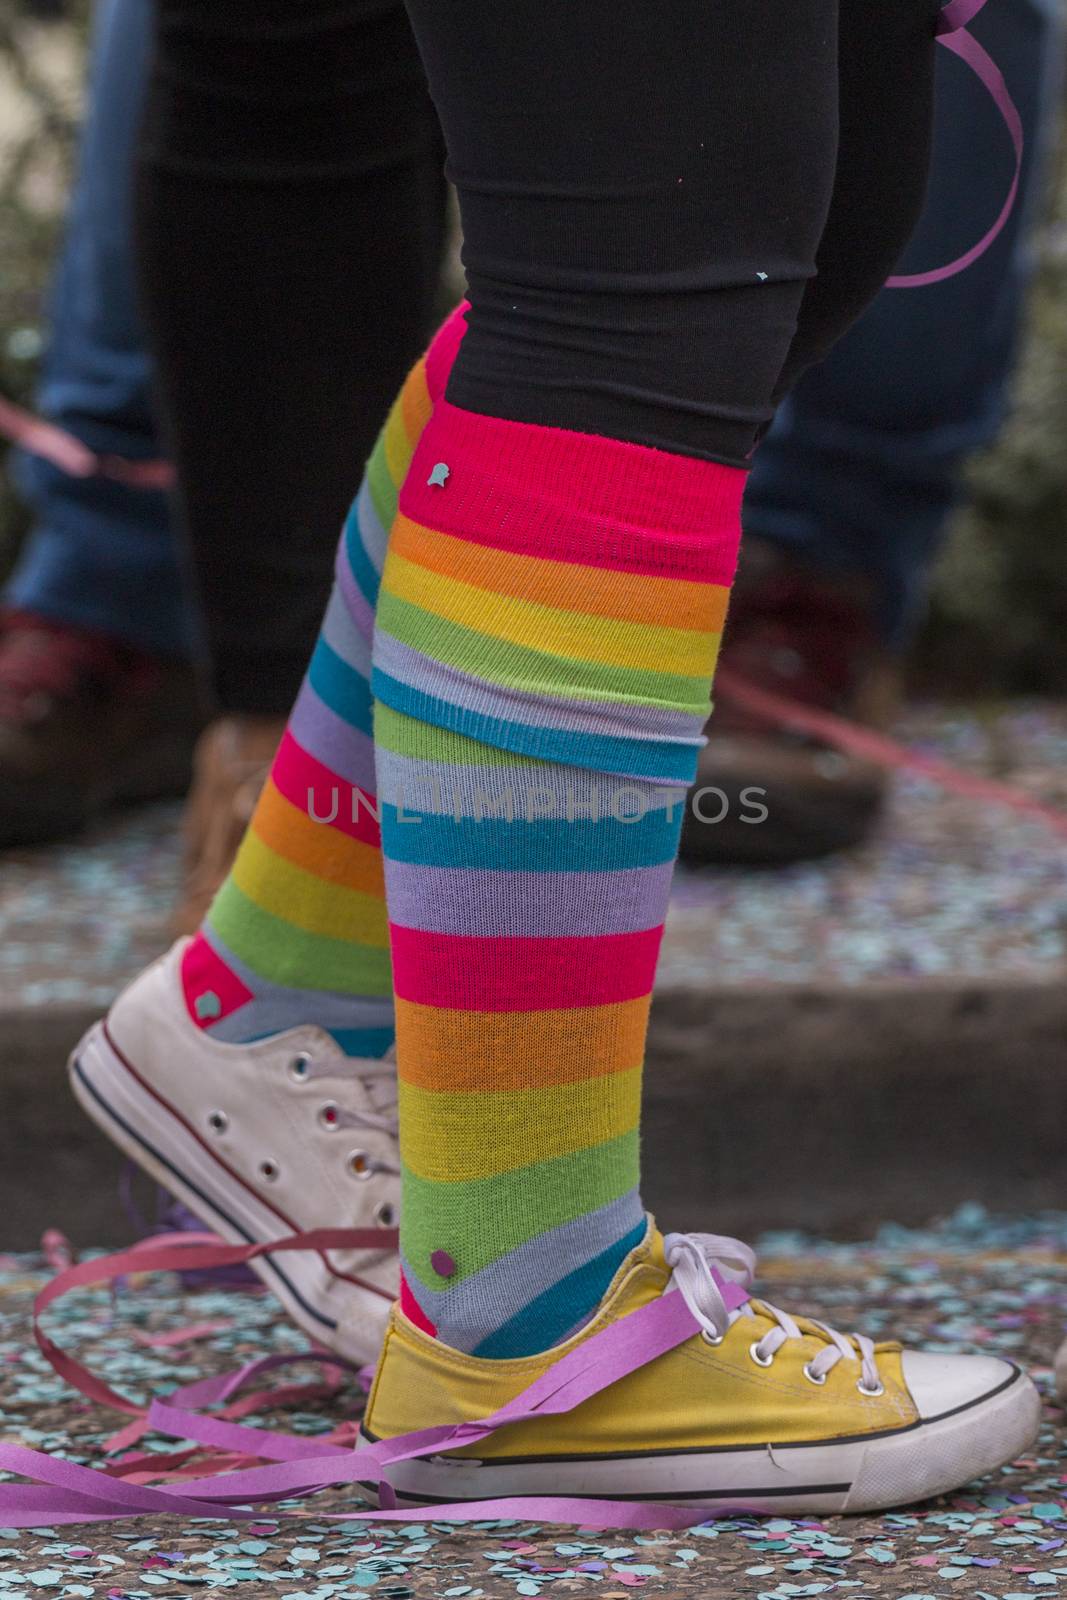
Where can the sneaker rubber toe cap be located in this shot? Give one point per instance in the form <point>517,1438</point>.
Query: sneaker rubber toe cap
<point>941,1384</point>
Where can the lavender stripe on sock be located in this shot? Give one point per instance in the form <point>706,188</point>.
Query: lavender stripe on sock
<point>373,536</point>
<point>510,1284</point>
<point>347,751</point>
<point>654,724</point>
<point>344,636</point>
<point>359,609</point>
<point>525,905</point>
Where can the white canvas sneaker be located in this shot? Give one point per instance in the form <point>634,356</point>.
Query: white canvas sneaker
<point>259,1140</point>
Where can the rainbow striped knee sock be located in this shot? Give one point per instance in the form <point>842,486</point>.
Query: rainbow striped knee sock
<point>297,933</point>
<point>547,626</point>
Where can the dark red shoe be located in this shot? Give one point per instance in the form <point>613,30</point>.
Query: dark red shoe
<point>85,722</point>
<point>809,635</point>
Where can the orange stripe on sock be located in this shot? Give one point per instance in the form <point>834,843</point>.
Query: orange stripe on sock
<point>415,403</point>
<point>455,1050</point>
<point>329,854</point>
<point>626,596</point>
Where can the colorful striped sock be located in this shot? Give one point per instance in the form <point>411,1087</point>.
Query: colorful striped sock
<point>549,616</point>
<point>297,933</point>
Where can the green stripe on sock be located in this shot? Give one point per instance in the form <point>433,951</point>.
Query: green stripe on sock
<point>287,955</point>
<point>407,736</point>
<point>507,665</point>
<point>515,1205</point>
<point>383,491</point>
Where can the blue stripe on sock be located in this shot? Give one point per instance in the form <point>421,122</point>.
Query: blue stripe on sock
<point>342,688</point>
<point>656,760</point>
<point>363,569</point>
<point>554,1314</point>
<point>370,1043</point>
<point>543,845</point>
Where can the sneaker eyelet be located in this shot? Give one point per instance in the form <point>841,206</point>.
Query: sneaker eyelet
<point>329,1116</point>
<point>714,1339</point>
<point>218,1121</point>
<point>760,1360</point>
<point>360,1165</point>
<point>299,1067</point>
<point>385,1214</point>
<point>269,1169</point>
<point>818,1382</point>
<point>870,1394</point>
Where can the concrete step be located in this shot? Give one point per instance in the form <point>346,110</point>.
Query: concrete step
<point>876,1037</point>
<point>831,1108</point>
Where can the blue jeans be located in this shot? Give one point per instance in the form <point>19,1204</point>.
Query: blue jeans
<point>862,467</point>
<point>102,555</point>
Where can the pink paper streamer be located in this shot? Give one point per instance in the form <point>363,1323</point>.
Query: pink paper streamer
<point>62,1492</point>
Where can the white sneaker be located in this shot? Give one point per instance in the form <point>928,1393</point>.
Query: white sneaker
<point>259,1140</point>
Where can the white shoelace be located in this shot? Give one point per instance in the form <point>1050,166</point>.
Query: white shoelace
<point>691,1257</point>
<point>379,1080</point>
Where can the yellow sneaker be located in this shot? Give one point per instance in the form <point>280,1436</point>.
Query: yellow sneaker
<point>750,1409</point>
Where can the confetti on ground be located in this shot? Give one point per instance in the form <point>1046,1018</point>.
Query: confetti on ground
<point>946,888</point>
<point>975,1282</point>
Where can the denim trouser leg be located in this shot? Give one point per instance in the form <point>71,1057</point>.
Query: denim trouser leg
<point>862,466</point>
<point>102,555</point>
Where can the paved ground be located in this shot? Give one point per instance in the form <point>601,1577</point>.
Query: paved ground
<point>978,1283</point>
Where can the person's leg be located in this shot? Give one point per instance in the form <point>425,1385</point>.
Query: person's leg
<point>544,647</point>
<point>290,209</point>
<point>549,610</point>
<point>290,212</point>
<point>297,932</point>
<point>850,493</point>
<point>861,468</point>
<point>98,700</point>
<point>244,1070</point>
<point>291,215</point>
<point>556,583</point>
<point>102,555</point>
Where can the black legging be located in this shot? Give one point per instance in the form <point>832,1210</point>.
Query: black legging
<point>646,190</point>
<point>290,215</point>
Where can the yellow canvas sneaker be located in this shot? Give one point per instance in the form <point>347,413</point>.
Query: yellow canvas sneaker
<point>748,1408</point>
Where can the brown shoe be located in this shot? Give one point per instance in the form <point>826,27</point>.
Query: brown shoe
<point>232,760</point>
<point>810,636</point>
<point>85,722</point>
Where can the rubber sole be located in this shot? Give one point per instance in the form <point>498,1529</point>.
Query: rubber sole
<point>328,1306</point>
<point>832,1476</point>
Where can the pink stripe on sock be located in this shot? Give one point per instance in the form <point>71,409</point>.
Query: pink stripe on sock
<point>442,352</point>
<point>463,973</point>
<point>211,990</point>
<point>413,1311</point>
<point>575,497</point>
<point>316,791</point>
